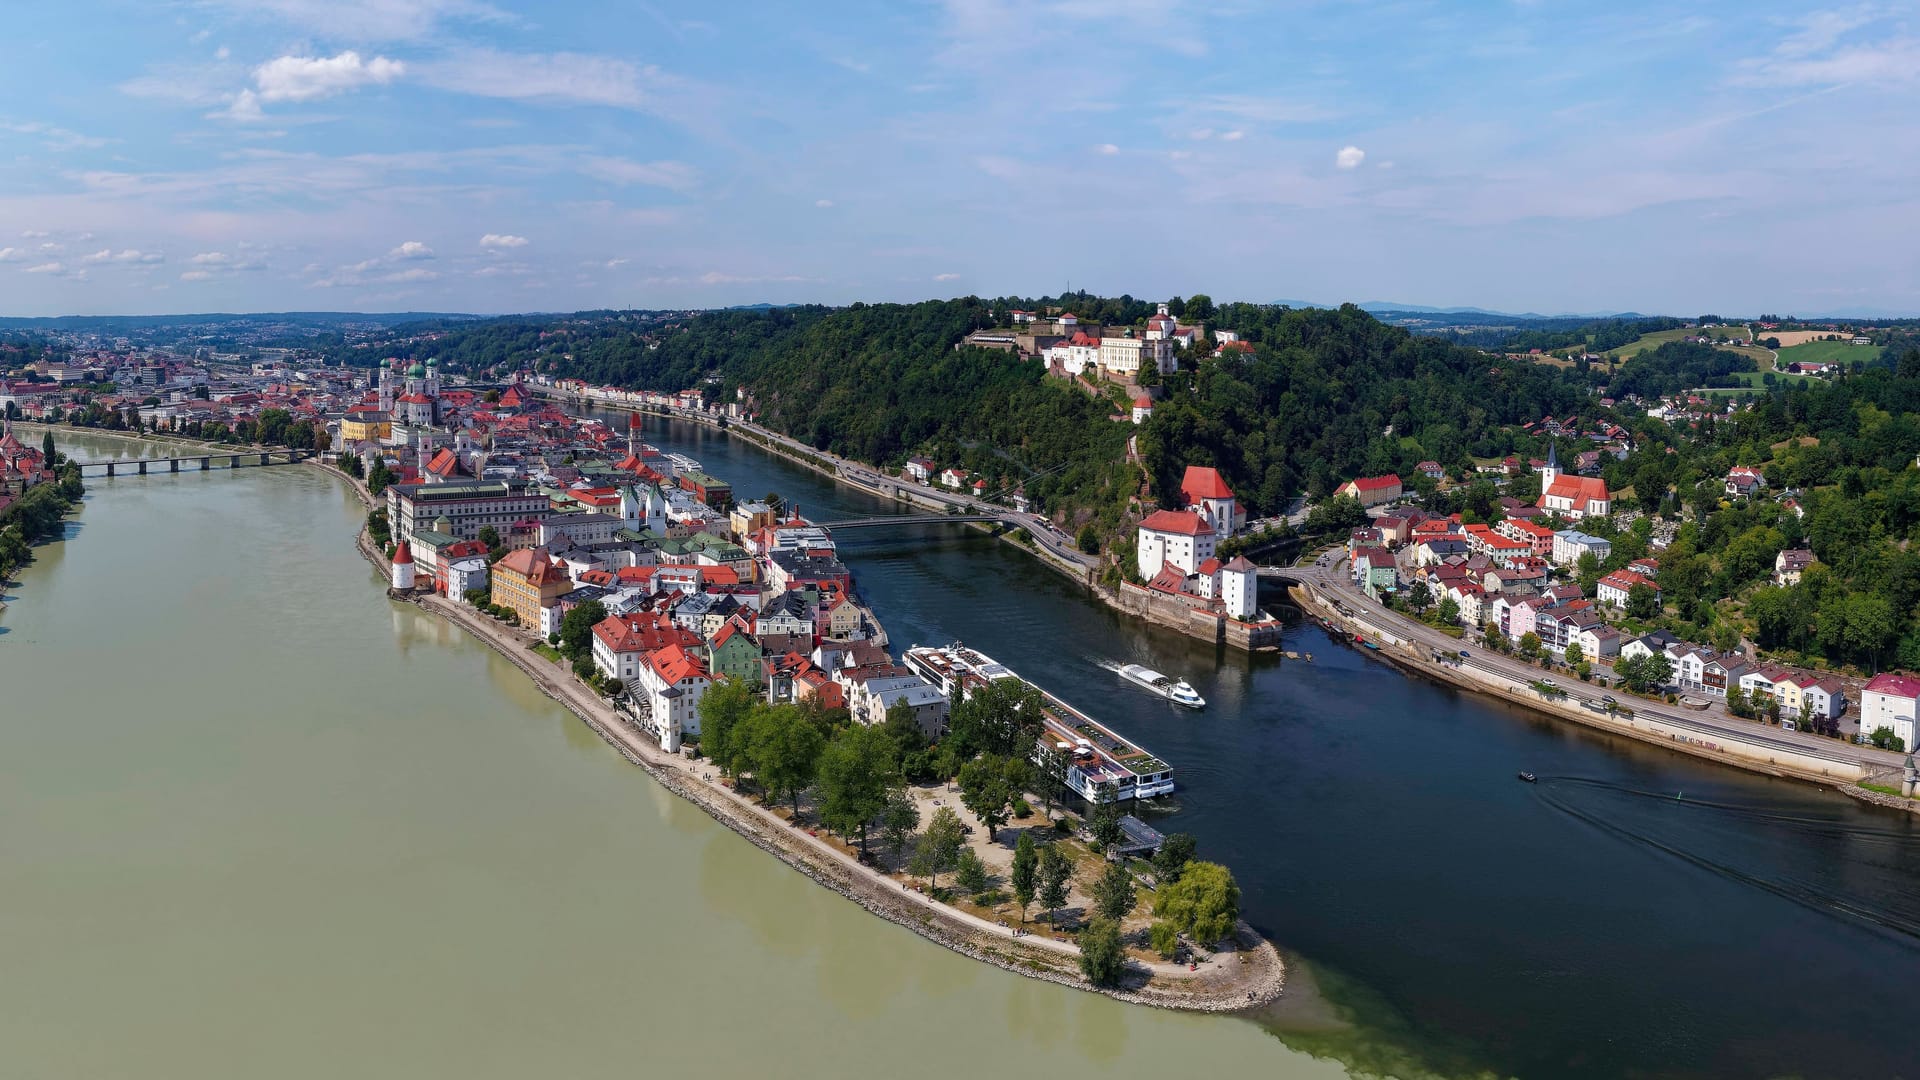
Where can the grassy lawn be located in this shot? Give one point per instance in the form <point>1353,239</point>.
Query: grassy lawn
<point>1881,788</point>
<point>1828,352</point>
<point>547,651</point>
<point>1758,378</point>
<point>1658,338</point>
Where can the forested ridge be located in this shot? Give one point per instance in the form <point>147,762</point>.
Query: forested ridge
<point>1309,406</point>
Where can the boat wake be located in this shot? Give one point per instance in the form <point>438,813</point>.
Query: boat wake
<point>1881,889</point>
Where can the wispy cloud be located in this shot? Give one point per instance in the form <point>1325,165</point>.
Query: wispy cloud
<point>502,241</point>
<point>676,175</point>
<point>551,78</point>
<point>366,20</point>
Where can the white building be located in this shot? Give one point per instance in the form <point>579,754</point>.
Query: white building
<point>1570,544</point>
<point>1177,537</point>
<point>672,682</point>
<point>1126,356</point>
<point>1891,701</point>
<point>1240,588</point>
<point>466,575</point>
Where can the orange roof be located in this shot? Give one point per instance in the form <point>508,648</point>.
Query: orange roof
<point>1580,489</point>
<point>534,564</point>
<point>1177,521</point>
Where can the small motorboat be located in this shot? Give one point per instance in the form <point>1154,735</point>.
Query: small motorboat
<point>1184,694</point>
<point>1529,777</point>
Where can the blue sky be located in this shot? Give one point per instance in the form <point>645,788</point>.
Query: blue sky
<point>501,155</point>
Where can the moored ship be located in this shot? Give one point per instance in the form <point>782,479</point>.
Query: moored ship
<point>1089,757</point>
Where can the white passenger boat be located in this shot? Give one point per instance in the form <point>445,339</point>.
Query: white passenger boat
<point>1176,691</point>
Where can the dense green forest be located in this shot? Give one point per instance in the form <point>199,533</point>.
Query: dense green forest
<point>1678,366</point>
<point>1597,335</point>
<point>1328,395</point>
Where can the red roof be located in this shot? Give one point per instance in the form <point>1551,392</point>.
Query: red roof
<point>1203,482</point>
<point>403,555</point>
<point>1143,402</point>
<point>1905,686</point>
<point>1184,522</point>
<point>1580,489</point>
<point>1376,483</point>
<point>1625,580</point>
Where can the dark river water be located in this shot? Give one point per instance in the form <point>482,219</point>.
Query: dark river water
<point>1635,913</point>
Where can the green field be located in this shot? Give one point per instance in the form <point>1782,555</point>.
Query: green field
<point>1828,352</point>
<point>1781,378</point>
<point>1654,340</point>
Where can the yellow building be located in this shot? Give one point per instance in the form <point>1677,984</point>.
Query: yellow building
<point>366,425</point>
<point>525,582</point>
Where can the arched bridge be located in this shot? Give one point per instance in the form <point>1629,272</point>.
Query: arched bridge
<point>904,519</point>
<point>201,462</point>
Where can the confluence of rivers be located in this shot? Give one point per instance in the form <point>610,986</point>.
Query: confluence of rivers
<point>255,819</point>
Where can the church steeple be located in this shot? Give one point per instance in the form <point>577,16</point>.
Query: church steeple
<point>1552,471</point>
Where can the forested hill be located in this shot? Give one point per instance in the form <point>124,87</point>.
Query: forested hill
<point>1323,395</point>
<point>1327,395</point>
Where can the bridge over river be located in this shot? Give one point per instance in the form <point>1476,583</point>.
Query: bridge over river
<point>201,462</point>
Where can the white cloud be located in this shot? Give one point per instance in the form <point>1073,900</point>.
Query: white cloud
<point>1349,157</point>
<point>128,257</point>
<point>212,258</point>
<point>412,249</point>
<point>498,241</point>
<point>34,234</point>
<point>615,264</point>
<point>1891,62</point>
<point>306,78</point>
<point>576,78</point>
<point>1107,148</point>
<point>418,273</point>
<point>222,53</point>
<point>11,254</point>
<point>197,275</point>
<point>47,268</point>
<point>1233,136</point>
<point>824,204</point>
<point>946,277</point>
<point>56,138</point>
<point>677,175</point>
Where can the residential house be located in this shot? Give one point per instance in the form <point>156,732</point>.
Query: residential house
<point>1722,672</point>
<point>1431,470</point>
<point>1790,565</point>
<point>919,468</point>
<point>1745,483</point>
<point>1824,698</point>
<point>732,652</point>
<point>1656,642</point>
<point>671,682</point>
<point>1570,544</point>
<point>1615,587</point>
<point>1891,701</point>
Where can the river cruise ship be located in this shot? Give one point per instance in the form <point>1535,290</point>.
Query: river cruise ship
<point>1097,763</point>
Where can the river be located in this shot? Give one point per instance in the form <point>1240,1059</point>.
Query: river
<point>257,820</point>
<point>1637,912</point>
